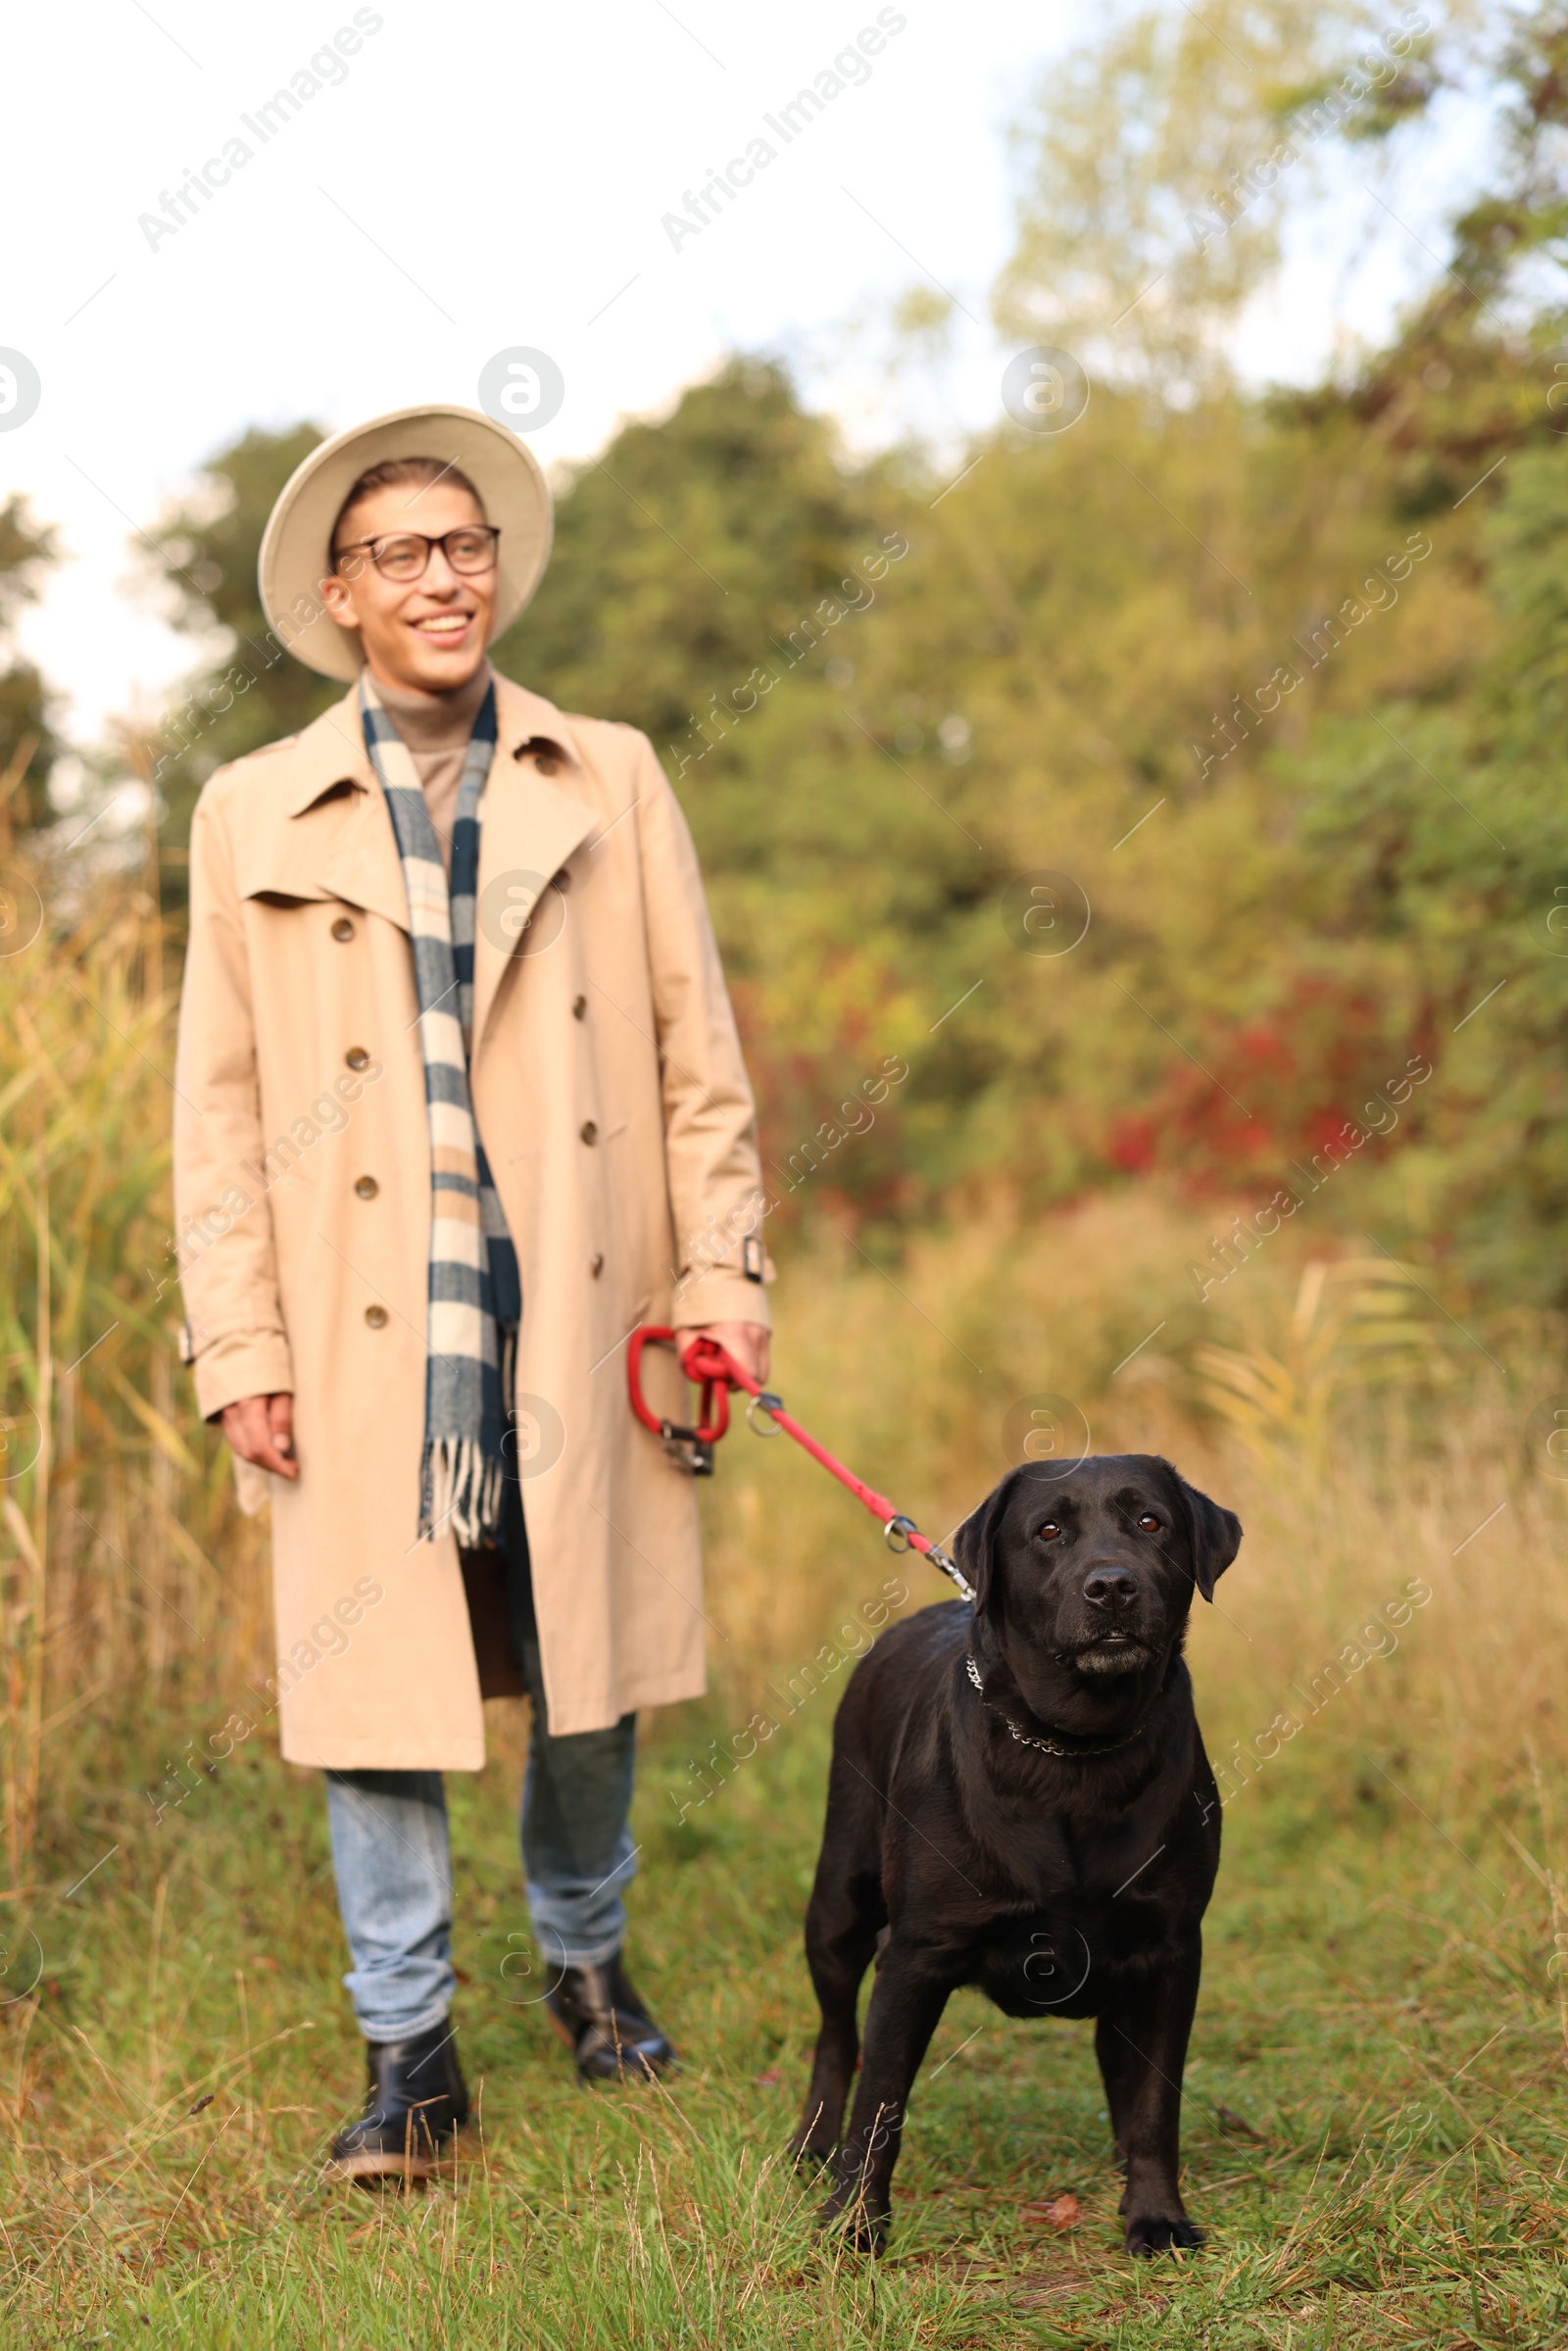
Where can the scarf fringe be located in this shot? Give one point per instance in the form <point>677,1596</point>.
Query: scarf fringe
<point>462,1491</point>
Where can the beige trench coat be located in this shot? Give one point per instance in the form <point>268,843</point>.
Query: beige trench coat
<point>614,1106</point>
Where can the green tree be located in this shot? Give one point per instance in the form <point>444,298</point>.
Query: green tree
<point>1440,813</point>
<point>684,551</point>
<point>1160,159</point>
<point>27,742</point>
<point>205,568</point>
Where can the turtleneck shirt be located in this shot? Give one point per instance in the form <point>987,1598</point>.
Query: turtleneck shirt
<point>437,729</point>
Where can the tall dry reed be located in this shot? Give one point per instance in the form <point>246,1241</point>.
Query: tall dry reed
<point>125,1571</point>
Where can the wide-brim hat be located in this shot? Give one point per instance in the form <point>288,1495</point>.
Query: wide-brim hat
<point>296,549</point>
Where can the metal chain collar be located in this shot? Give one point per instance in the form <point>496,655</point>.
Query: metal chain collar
<point>1047,1746</point>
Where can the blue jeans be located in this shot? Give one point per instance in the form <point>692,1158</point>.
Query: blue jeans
<point>393,1862</point>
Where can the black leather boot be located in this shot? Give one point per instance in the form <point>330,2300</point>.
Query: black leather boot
<point>416,2102</point>
<point>605,2025</point>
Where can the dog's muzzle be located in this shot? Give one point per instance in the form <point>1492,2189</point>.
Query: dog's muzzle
<point>1112,1640</point>
<point>1112,1652</point>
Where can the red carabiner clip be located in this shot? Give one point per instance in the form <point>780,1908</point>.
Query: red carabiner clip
<point>693,1446</point>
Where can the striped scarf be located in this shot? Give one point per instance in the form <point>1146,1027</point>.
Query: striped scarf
<point>475,1298</point>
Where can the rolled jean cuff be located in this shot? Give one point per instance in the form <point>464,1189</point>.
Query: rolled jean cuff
<point>379,2033</point>
<point>577,1925</point>
<point>559,1953</point>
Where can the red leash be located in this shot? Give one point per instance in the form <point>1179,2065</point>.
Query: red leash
<point>716,1372</point>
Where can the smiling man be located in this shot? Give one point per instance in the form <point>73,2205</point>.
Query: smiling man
<point>460,1103</point>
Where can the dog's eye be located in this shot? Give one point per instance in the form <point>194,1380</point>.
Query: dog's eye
<point>1048,1532</point>
<point>1150,1523</point>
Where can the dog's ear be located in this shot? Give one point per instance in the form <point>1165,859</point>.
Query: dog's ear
<point>975,1543</point>
<point>1216,1536</point>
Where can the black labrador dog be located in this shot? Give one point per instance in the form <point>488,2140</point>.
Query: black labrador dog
<point>1019,1799</point>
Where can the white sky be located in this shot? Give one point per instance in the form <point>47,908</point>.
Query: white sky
<point>485,176</point>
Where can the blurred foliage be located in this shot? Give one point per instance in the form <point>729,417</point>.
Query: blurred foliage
<point>688,547</point>
<point>1357,1323</point>
<point>1159,159</point>
<point>27,744</point>
<point>113,1495</point>
<point>205,566</point>
<point>1279,682</point>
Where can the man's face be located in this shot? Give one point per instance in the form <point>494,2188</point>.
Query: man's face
<point>429,632</point>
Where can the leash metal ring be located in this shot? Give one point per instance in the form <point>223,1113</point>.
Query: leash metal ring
<point>897,1530</point>
<point>767,1403</point>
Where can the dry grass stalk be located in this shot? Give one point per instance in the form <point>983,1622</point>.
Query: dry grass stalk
<point>116,1500</point>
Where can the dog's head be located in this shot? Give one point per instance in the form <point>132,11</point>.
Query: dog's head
<point>1084,1580</point>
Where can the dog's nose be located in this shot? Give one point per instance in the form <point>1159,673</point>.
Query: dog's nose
<point>1111,1588</point>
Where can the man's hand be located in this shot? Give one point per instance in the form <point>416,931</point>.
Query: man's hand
<point>261,1429</point>
<point>747,1342</point>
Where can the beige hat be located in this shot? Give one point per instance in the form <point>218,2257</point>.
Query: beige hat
<point>296,550</point>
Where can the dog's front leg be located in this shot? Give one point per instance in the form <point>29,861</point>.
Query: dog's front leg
<point>905,2008</point>
<point>1142,2048</point>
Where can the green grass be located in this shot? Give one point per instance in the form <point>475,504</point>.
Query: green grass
<point>1376,2009</point>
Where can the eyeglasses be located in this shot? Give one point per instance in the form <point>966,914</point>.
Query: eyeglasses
<point>406,554</point>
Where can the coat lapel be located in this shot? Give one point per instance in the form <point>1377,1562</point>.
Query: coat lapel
<point>331,836</point>
<point>361,863</point>
<point>356,853</point>
<point>531,824</point>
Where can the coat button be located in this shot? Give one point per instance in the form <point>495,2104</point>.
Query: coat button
<point>595,1265</point>
<point>342,928</point>
<point>544,763</point>
<point>375,1316</point>
<point>357,1058</point>
<point>366,1187</point>
<point>579,1005</point>
<point>590,1133</point>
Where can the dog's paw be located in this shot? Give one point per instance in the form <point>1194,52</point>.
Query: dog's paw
<point>1156,2233</point>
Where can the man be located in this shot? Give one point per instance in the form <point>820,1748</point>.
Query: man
<point>460,1103</point>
